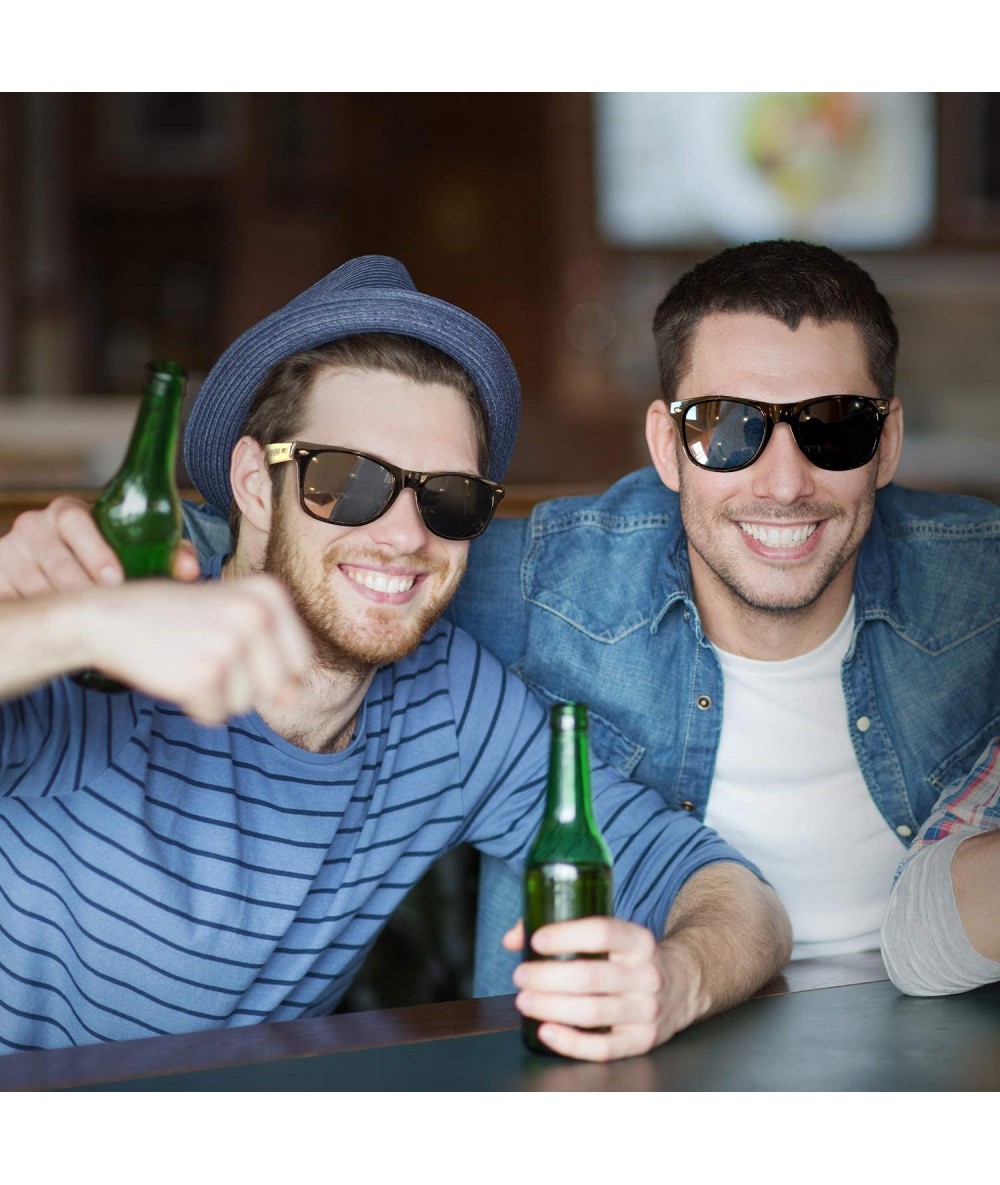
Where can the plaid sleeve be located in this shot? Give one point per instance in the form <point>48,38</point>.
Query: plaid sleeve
<point>969,806</point>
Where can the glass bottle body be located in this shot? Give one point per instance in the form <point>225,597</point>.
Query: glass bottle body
<point>568,872</point>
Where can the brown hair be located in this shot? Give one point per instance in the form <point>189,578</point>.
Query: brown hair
<point>278,406</point>
<point>783,279</point>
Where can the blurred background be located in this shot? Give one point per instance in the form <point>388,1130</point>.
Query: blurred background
<point>142,225</point>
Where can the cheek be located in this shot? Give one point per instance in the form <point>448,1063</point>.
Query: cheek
<point>856,491</point>
<point>454,555</point>
<point>702,490</point>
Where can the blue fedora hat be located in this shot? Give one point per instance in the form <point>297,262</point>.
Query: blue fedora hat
<point>371,294</point>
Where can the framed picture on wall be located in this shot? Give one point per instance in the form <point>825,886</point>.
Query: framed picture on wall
<point>684,170</point>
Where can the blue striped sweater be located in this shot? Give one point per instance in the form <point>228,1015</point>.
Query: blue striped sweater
<point>158,876</point>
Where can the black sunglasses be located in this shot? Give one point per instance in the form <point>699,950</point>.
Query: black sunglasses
<point>346,488</point>
<point>836,432</point>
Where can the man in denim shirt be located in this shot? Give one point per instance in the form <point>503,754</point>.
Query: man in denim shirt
<point>797,651</point>
<point>766,629</point>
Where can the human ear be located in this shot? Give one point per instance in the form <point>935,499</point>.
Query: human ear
<point>661,439</point>
<point>250,476</point>
<point>890,445</point>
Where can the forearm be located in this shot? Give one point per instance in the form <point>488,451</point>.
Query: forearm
<point>42,638</point>
<point>726,936</point>
<point>975,877</point>
<point>216,650</point>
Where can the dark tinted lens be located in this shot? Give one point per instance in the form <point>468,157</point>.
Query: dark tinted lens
<point>839,433</point>
<point>344,489</point>
<point>723,433</point>
<point>455,506</point>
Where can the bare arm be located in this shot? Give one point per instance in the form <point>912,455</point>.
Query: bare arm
<point>726,936</point>
<point>216,650</point>
<point>975,877</point>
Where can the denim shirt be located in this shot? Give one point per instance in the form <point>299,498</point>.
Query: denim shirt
<point>590,599</point>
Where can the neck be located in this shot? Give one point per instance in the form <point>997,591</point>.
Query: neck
<point>768,635</point>
<point>323,716</point>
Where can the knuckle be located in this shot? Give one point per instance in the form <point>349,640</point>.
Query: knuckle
<point>593,975</point>
<point>646,1037</point>
<point>259,616</point>
<point>66,574</point>
<point>26,526</point>
<point>646,943</point>
<point>207,673</point>
<point>223,648</point>
<point>63,507</point>
<point>592,1013</point>
<point>649,1008</point>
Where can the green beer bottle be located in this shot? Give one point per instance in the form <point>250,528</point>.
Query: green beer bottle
<point>568,870</point>
<point>138,512</point>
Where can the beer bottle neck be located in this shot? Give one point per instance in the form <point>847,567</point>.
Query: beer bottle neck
<point>568,796</point>
<point>152,449</point>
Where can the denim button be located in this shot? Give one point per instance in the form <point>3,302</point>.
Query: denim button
<point>863,724</point>
<point>704,702</point>
<point>904,831</point>
<point>687,806</point>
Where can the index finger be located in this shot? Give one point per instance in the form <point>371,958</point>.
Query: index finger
<point>73,525</point>
<point>591,936</point>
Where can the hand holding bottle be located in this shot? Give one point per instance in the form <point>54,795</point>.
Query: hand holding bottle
<point>597,991</point>
<point>60,548</point>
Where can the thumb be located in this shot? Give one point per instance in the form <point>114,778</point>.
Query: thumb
<point>514,938</point>
<point>184,565</point>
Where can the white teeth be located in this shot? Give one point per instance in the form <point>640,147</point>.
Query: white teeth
<point>378,582</point>
<point>779,536</point>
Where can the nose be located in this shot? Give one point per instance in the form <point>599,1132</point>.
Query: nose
<point>782,473</point>
<point>401,528</point>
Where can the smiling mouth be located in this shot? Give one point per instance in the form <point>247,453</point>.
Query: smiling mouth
<point>379,581</point>
<point>779,537</point>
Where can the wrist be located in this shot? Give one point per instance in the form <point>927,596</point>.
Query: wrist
<point>686,984</point>
<point>77,627</point>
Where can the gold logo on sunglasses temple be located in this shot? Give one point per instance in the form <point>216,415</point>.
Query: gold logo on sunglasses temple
<point>452,505</point>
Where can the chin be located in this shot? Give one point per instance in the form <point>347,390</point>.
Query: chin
<point>778,598</point>
<point>343,644</point>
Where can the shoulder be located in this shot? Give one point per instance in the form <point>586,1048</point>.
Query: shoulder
<point>931,564</point>
<point>601,563</point>
<point>637,502</point>
<point>922,516</point>
<point>57,738</point>
<point>450,658</point>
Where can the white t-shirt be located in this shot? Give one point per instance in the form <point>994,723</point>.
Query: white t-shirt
<point>788,793</point>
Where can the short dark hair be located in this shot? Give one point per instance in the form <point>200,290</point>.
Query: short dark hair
<point>278,406</point>
<point>783,279</point>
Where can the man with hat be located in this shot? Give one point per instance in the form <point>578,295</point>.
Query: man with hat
<point>306,736</point>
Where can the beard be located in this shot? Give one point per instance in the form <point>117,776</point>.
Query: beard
<point>347,639</point>
<point>790,591</point>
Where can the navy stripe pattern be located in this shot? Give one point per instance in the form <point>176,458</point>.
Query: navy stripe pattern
<point>157,876</point>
